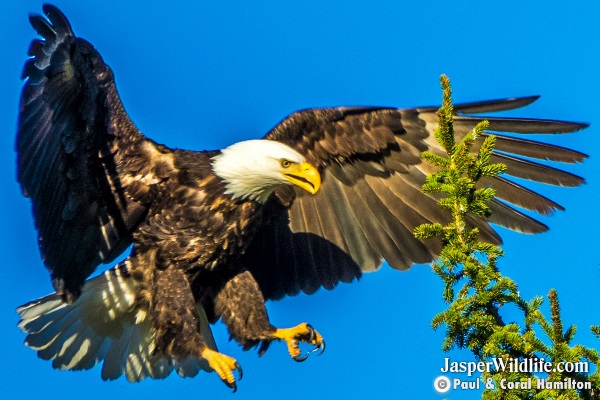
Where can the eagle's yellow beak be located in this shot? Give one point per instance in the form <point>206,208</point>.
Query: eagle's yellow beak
<point>304,175</point>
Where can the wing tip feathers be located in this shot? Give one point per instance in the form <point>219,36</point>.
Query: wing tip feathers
<point>58,19</point>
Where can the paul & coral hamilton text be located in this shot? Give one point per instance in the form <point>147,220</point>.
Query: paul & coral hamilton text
<point>527,365</point>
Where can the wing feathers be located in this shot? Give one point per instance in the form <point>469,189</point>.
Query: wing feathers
<point>371,200</point>
<point>57,19</point>
<point>42,27</point>
<point>358,245</point>
<point>541,151</point>
<point>400,222</point>
<point>363,203</point>
<point>357,234</point>
<point>494,105</point>
<point>536,172</point>
<point>309,270</point>
<point>518,195</point>
<point>519,125</point>
<point>510,218</point>
<point>69,114</point>
<point>342,234</point>
<point>323,271</point>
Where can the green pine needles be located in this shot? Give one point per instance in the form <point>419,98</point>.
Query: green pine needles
<point>475,289</point>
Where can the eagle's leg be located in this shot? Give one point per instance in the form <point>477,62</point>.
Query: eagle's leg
<point>300,333</point>
<point>241,305</point>
<point>177,325</point>
<point>223,365</point>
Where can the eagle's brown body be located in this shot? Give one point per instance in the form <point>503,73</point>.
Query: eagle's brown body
<point>202,255</point>
<point>215,239</point>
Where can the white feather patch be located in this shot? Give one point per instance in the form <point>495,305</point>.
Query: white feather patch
<point>252,169</point>
<point>104,324</point>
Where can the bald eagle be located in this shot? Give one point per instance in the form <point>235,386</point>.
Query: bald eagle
<point>325,196</point>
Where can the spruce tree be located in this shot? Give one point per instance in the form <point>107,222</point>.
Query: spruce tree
<point>475,289</point>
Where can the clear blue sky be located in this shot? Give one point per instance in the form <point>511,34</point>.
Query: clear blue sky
<point>206,74</point>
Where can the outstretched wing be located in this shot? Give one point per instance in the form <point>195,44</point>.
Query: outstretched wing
<point>73,140</point>
<point>370,199</point>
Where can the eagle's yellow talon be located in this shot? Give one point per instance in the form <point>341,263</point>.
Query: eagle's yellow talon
<point>223,365</point>
<point>301,333</point>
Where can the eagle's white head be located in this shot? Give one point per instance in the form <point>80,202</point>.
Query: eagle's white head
<point>253,169</point>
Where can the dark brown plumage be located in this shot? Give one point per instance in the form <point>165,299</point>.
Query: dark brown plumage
<point>205,245</point>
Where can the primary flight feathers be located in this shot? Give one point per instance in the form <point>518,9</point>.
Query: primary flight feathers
<point>214,234</point>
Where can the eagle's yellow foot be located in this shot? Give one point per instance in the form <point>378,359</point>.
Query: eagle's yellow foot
<point>301,333</point>
<point>223,366</point>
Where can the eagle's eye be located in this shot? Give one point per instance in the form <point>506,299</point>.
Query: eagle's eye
<point>286,163</point>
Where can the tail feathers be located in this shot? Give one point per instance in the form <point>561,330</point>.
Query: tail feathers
<point>104,324</point>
